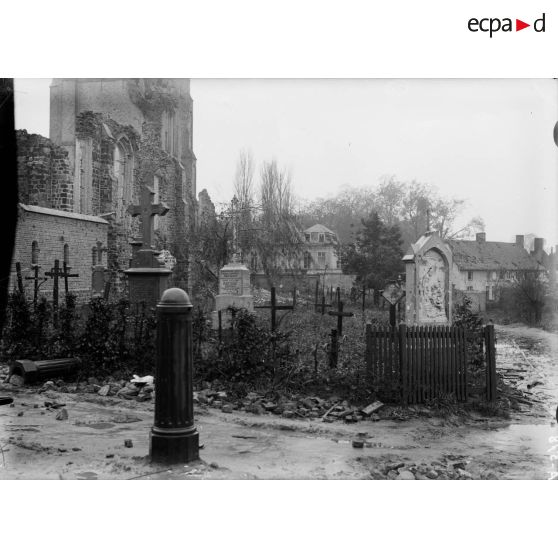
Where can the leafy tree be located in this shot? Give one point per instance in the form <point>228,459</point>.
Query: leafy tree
<point>407,204</point>
<point>376,255</point>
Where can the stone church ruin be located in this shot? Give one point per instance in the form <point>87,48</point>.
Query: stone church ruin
<point>109,138</point>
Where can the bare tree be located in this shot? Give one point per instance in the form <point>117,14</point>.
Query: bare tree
<point>279,241</point>
<point>529,291</point>
<point>244,179</point>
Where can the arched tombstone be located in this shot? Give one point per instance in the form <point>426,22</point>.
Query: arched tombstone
<point>428,286</point>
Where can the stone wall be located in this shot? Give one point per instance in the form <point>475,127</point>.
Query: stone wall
<point>44,174</point>
<point>52,230</point>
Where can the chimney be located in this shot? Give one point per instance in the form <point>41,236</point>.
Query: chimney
<point>481,237</point>
<point>539,244</point>
<point>520,240</point>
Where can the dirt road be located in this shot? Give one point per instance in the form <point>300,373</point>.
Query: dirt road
<point>90,443</point>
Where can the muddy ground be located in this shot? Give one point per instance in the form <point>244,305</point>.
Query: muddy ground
<point>90,443</point>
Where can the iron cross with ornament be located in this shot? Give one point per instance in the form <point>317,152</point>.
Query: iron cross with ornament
<point>393,293</point>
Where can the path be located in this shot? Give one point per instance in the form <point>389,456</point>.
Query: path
<point>90,444</point>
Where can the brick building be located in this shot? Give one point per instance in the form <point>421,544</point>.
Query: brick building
<point>108,138</point>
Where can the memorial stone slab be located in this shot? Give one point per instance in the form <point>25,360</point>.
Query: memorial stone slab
<point>428,288</point>
<point>234,290</point>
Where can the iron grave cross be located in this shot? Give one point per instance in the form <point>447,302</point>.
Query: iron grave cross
<point>147,210</point>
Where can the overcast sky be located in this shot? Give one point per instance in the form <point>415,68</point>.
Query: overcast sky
<point>489,141</point>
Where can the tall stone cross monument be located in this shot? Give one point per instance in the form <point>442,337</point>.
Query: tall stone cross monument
<point>234,280</point>
<point>148,278</point>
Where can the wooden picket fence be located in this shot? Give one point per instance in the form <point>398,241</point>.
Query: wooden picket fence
<point>424,362</point>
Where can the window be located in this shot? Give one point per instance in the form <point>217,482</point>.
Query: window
<point>307,236</point>
<point>322,238</point>
<point>83,179</point>
<point>156,200</point>
<point>123,169</point>
<point>34,253</point>
<point>66,254</point>
<point>307,260</point>
<point>169,133</point>
<point>469,288</point>
<point>321,259</point>
<point>314,237</point>
<point>94,256</point>
<point>469,276</point>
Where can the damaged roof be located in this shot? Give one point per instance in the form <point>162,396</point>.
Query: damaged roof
<point>471,254</point>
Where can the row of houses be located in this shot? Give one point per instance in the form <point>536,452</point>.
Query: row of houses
<point>482,269</point>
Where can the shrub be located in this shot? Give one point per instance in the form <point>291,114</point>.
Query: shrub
<point>473,324</point>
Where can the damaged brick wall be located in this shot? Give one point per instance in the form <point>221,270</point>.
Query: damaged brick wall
<point>52,230</point>
<point>104,134</point>
<point>44,174</point>
<point>176,174</point>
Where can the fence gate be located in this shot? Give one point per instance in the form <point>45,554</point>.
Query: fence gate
<point>424,362</point>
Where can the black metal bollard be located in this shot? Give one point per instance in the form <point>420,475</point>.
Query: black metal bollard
<point>174,438</point>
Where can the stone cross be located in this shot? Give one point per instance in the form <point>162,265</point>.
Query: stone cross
<point>147,210</point>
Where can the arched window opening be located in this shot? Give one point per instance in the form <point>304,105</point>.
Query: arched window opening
<point>34,253</point>
<point>94,255</point>
<point>66,254</point>
<point>123,174</point>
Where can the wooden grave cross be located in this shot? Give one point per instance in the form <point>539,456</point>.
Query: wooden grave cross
<point>340,315</point>
<point>55,273</point>
<point>38,281</point>
<point>66,273</point>
<point>147,210</point>
<point>274,307</point>
<point>322,305</point>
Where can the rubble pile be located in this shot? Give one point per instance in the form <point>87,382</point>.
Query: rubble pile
<point>451,467</point>
<point>293,407</point>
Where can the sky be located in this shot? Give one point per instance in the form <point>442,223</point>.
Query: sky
<point>487,141</point>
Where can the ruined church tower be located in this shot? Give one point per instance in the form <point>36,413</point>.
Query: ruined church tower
<point>122,134</point>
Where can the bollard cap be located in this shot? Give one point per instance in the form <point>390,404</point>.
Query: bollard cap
<point>175,297</point>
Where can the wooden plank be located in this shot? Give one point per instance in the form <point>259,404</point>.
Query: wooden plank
<point>425,374</point>
<point>395,359</point>
<point>428,362</point>
<point>490,362</point>
<point>448,359</point>
<point>402,341</point>
<point>463,360</point>
<point>421,365</point>
<point>374,351</point>
<point>414,374</point>
<point>453,355</point>
<point>443,365</point>
<point>465,364</point>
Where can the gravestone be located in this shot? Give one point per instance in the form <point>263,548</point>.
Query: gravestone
<point>234,290</point>
<point>148,277</point>
<point>428,287</point>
